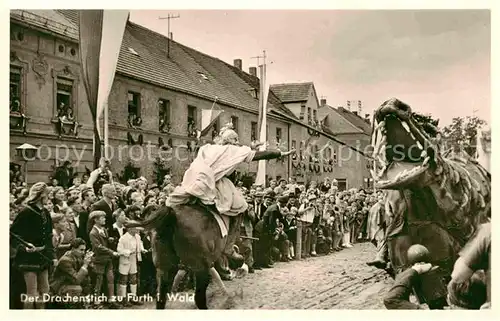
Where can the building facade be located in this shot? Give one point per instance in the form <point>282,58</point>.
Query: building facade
<point>348,127</point>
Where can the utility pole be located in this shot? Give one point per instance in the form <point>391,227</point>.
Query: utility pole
<point>169,37</point>
<point>262,87</point>
<point>259,57</point>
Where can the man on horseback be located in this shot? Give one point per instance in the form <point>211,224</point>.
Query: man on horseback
<point>207,181</point>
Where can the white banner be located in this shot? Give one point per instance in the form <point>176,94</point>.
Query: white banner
<point>113,28</point>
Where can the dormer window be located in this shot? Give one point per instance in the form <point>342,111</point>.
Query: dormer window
<point>254,93</point>
<point>202,75</point>
<point>132,51</point>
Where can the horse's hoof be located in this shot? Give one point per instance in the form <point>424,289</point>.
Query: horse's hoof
<point>378,264</point>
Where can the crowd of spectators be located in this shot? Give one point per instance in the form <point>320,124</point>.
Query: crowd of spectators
<point>92,252</point>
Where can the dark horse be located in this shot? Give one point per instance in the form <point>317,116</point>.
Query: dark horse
<point>190,235</point>
<point>185,234</point>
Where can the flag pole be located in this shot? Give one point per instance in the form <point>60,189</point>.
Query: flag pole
<point>106,130</point>
<point>261,172</point>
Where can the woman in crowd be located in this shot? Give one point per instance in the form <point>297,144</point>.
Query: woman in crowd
<point>31,236</point>
<point>59,200</point>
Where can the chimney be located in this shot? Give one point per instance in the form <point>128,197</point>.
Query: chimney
<point>367,118</point>
<point>253,71</point>
<point>323,102</point>
<point>238,64</point>
<point>355,113</point>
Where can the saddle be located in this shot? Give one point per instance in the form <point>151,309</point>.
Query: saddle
<point>211,209</point>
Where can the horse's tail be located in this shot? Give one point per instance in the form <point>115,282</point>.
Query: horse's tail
<point>160,220</point>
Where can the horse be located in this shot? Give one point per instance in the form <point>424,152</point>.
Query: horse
<point>184,235</point>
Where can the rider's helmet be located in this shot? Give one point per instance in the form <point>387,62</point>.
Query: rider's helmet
<point>418,253</point>
<point>227,136</point>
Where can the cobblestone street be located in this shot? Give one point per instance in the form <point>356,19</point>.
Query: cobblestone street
<point>337,281</point>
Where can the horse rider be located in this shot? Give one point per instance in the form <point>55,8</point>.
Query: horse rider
<point>207,181</point>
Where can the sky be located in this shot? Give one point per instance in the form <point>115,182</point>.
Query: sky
<point>437,61</point>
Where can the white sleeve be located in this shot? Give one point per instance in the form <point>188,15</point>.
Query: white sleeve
<point>93,177</point>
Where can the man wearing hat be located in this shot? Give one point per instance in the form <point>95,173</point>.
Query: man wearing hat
<point>258,205</point>
<point>64,174</point>
<point>103,260</point>
<point>100,176</point>
<point>207,182</point>
<point>272,217</point>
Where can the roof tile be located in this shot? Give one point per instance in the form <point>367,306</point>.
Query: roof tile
<point>356,120</point>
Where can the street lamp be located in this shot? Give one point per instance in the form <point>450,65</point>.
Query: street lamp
<point>26,152</point>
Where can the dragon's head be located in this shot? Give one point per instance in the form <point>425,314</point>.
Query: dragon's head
<point>405,154</point>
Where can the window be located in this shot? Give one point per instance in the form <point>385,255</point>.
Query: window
<point>309,114</point>
<point>164,115</point>
<point>64,99</point>
<point>302,112</point>
<point>253,131</point>
<point>301,149</point>
<point>192,120</point>
<point>294,144</point>
<point>15,89</point>
<point>342,184</point>
<point>328,153</point>
<point>134,109</point>
<point>315,116</point>
<point>368,182</point>
<point>278,135</point>
<point>234,121</point>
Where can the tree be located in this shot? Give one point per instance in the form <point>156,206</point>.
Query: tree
<point>461,134</point>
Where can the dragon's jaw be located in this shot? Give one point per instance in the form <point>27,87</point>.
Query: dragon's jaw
<point>402,151</point>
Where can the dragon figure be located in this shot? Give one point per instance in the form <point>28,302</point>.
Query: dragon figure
<point>434,198</point>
